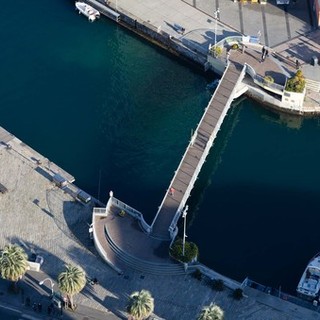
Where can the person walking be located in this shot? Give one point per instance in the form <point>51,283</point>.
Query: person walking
<point>263,53</point>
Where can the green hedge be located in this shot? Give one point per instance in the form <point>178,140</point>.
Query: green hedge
<point>190,251</point>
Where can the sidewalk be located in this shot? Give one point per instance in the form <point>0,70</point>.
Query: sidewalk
<point>33,301</point>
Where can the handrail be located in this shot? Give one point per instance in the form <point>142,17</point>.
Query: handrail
<point>131,211</point>
<point>273,85</point>
<point>259,80</point>
<point>212,137</point>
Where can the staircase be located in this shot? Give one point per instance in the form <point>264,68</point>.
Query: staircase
<point>313,85</point>
<point>163,269</point>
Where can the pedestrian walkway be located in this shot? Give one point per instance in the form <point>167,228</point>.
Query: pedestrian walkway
<point>56,228</point>
<point>33,301</point>
<point>56,225</point>
<point>165,222</point>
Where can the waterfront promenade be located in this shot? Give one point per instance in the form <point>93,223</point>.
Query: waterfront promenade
<point>55,226</point>
<point>48,221</point>
<point>287,31</point>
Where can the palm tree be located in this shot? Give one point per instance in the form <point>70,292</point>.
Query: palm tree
<point>212,312</point>
<point>140,305</point>
<point>13,263</point>
<point>71,281</point>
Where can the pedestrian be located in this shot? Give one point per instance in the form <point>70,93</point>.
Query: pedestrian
<point>297,64</point>
<point>263,53</point>
<point>172,192</point>
<point>228,56</point>
<point>34,306</point>
<point>28,301</point>
<point>39,307</point>
<point>49,310</point>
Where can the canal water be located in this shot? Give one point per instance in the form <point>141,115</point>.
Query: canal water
<point>117,113</point>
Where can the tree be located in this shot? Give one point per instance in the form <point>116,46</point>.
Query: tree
<point>13,263</point>
<point>237,294</point>
<point>71,282</point>
<point>140,305</point>
<point>297,83</point>
<point>191,251</point>
<point>211,312</point>
<point>217,284</point>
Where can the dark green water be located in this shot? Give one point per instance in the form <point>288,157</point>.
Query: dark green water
<point>101,102</point>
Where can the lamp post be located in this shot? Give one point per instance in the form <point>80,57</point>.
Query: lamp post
<point>51,283</point>
<point>216,16</point>
<point>184,216</point>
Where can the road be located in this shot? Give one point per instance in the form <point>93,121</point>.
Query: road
<point>10,313</point>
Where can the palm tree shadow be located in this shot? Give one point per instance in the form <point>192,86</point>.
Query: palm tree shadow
<point>110,302</point>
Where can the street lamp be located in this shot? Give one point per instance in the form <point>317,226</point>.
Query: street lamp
<point>216,15</point>
<point>184,216</point>
<point>52,284</point>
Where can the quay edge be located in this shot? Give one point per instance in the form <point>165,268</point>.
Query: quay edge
<point>199,59</point>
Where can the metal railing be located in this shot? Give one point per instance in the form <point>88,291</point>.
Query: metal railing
<point>131,211</point>
<point>280,294</point>
<point>260,81</point>
<point>205,153</point>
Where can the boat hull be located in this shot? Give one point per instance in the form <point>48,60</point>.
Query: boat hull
<point>91,13</point>
<point>309,284</point>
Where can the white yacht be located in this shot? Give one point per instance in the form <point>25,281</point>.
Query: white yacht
<point>309,284</point>
<point>87,10</point>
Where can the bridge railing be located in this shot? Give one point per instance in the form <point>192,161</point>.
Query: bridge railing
<point>210,273</point>
<point>131,211</point>
<point>259,80</point>
<point>173,225</point>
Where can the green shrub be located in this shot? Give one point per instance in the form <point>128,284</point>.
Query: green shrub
<point>235,46</point>
<point>237,294</point>
<point>216,51</point>
<point>197,274</point>
<point>191,251</point>
<point>268,80</point>
<point>217,284</point>
<point>296,83</point>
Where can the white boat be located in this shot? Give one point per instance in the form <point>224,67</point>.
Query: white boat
<point>88,11</point>
<point>309,284</point>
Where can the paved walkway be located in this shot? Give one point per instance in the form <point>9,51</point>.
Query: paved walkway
<point>55,226</point>
<point>47,220</point>
<point>286,29</point>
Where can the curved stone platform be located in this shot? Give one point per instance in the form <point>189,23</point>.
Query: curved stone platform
<point>122,244</point>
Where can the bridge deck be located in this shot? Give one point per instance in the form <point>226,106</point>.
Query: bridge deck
<point>184,177</point>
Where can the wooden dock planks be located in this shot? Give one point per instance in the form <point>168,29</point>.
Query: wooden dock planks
<point>184,177</point>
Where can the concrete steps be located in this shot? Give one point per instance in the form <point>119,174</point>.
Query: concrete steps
<point>313,85</point>
<point>144,265</point>
<point>160,237</point>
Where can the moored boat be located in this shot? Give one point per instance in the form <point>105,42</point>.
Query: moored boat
<point>309,284</point>
<point>91,13</point>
